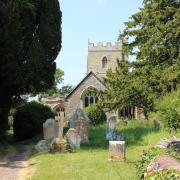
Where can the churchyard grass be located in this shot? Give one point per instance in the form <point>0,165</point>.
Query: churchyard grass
<point>91,161</point>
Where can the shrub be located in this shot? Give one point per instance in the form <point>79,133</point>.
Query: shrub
<point>96,115</point>
<point>149,155</point>
<point>145,160</point>
<point>29,119</point>
<point>165,174</point>
<point>171,119</point>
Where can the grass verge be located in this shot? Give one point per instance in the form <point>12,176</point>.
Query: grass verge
<point>91,161</point>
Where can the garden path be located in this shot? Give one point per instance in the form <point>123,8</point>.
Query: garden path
<point>14,165</point>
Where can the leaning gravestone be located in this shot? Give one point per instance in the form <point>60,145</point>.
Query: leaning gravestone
<point>73,138</point>
<point>117,150</point>
<point>80,122</point>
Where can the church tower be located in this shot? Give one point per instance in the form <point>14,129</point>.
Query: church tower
<point>102,57</point>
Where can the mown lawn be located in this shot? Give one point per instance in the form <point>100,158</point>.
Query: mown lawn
<point>91,161</point>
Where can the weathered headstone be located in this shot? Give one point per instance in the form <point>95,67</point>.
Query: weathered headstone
<point>73,138</point>
<point>80,122</point>
<point>50,129</point>
<point>60,124</point>
<point>53,136</point>
<point>117,150</point>
<point>111,134</point>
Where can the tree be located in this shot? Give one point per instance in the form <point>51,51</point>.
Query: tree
<point>30,42</point>
<point>65,90</point>
<point>154,39</point>
<point>58,79</point>
<point>154,34</point>
<point>123,89</point>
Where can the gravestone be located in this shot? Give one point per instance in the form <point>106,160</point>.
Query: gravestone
<point>50,129</point>
<point>80,122</point>
<point>111,133</point>
<point>117,150</point>
<point>59,126</point>
<point>73,138</point>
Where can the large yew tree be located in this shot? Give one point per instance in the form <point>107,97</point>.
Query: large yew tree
<point>30,40</point>
<point>154,39</point>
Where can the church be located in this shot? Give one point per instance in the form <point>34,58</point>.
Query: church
<point>101,57</point>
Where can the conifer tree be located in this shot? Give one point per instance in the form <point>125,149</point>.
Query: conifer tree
<point>30,42</point>
<point>153,36</point>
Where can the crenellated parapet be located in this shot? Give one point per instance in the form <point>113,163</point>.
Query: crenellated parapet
<point>100,46</point>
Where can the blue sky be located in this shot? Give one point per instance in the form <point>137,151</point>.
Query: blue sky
<point>97,20</point>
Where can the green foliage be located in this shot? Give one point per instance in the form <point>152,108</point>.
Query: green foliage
<point>125,88</point>
<point>165,174</point>
<point>148,156</point>
<point>58,79</point>
<point>96,115</point>
<point>30,42</point>
<point>92,159</point>
<point>172,119</point>
<point>11,118</point>
<point>29,119</point>
<point>91,91</point>
<point>65,90</point>
<point>154,41</point>
<point>167,111</point>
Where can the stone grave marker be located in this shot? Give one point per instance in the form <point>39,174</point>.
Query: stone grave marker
<point>59,125</point>
<point>111,134</point>
<point>50,129</point>
<point>117,150</point>
<point>73,138</point>
<point>80,122</point>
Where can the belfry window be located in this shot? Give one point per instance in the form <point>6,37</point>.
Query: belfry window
<point>104,62</point>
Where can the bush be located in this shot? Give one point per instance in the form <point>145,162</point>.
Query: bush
<point>165,174</point>
<point>96,115</point>
<point>149,155</point>
<point>29,119</point>
<point>172,119</point>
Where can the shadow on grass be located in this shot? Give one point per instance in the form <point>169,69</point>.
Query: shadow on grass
<point>133,135</point>
<point>97,138</point>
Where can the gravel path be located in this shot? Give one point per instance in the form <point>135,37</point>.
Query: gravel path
<point>14,165</point>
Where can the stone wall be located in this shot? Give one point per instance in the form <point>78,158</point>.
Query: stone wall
<point>74,101</point>
<point>96,54</point>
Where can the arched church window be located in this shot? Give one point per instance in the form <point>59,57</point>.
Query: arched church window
<point>104,62</point>
<point>86,102</point>
<point>92,100</point>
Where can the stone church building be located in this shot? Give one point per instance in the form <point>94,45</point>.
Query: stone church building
<point>101,57</point>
